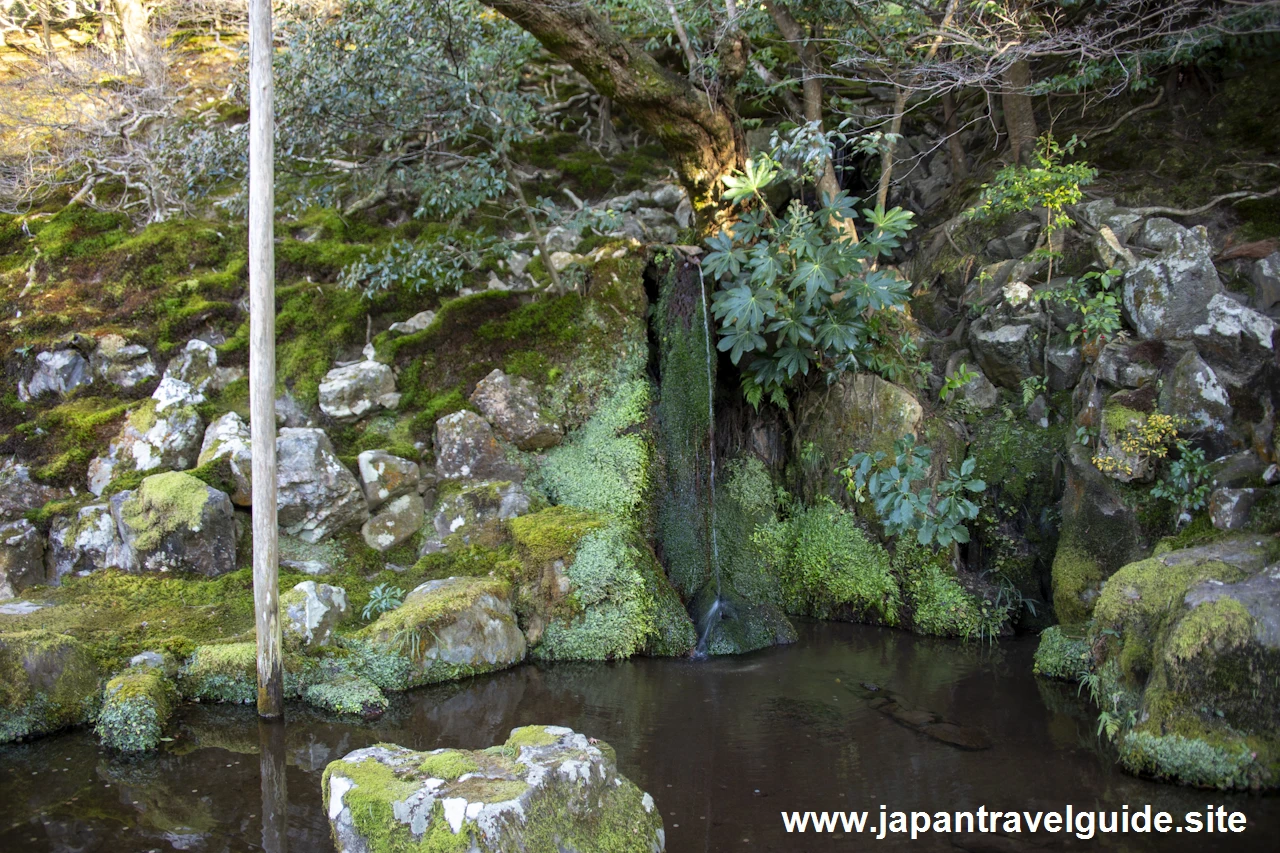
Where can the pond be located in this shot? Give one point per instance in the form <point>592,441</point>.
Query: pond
<point>724,745</point>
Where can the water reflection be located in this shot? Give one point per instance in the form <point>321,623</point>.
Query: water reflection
<point>723,745</point>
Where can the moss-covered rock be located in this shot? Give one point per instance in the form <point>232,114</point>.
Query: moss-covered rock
<point>445,629</point>
<point>1063,653</point>
<point>48,681</point>
<point>546,789</point>
<point>1188,641</point>
<point>175,522</point>
<point>345,692</point>
<point>136,707</point>
<point>591,589</point>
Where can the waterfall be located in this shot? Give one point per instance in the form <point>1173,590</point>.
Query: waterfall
<point>711,436</point>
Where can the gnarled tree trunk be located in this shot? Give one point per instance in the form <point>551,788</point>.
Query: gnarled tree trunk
<point>1019,112</point>
<point>698,130</point>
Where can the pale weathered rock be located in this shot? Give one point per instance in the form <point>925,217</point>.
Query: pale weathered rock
<point>416,323</point>
<point>395,522</point>
<point>511,406</point>
<point>312,612</point>
<point>1266,284</point>
<point>467,449</point>
<point>384,476</point>
<point>174,522</point>
<point>1126,465</point>
<point>316,494</point>
<point>18,494</point>
<point>1238,340</point>
<point>122,364</point>
<point>1194,393</point>
<point>465,626</point>
<point>228,438</point>
<point>21,558</point>
<point>197,366</point>
<point>172,393</point>
<point>1008,354</point>
<point>1168,296</point>
<point>85,542</point>
<point>546,782</point>
<point>59,372</point>
<point>1122,221</point>
<point>150,440</point>
<point>351,392</point>
<point>1229,508</point>
<point>474,508</point>
<point>1165,235</point>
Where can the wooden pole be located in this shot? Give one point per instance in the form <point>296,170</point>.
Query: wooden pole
<point>272,766</point>
<point>262,360</point>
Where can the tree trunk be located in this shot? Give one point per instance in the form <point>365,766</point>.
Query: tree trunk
<point>811,81</point>
<point>1019,112</point>
<point>959,165</point>
<point>699,131</point>
<point>886,157</point>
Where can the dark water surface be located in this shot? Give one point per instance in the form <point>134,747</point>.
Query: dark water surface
<point>723,745</point>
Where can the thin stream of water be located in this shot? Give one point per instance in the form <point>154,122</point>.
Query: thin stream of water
<point>711,435</point>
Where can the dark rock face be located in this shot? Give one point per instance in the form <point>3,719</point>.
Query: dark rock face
<point>21,558</point>
<point>467,449</point>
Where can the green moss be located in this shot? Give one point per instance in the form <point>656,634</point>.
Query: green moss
<point>447,764</point>
<point>64,438</point>
<point>554,533</point>
<point>1076,578</point>
<point>1188,760</point>
<point>346,694</point>
<point>137,706</point>
<point>940,604</point>
<point>48,681</point>
<point>604,467</point>
<point>163,504</point>
<point>531,736</point>
<point>1220,626</point>
<point>1062,654</point>
<point>829,568</point>
<point>227,672</point>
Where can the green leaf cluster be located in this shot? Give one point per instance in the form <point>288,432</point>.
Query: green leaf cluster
<point>796,291</point>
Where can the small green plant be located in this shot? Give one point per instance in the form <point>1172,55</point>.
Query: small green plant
<point>1098,305</point>
<point>382,598</point>
<point>1186,485</point>
<point>937,516</point>
<point>959,378</point>
<point>1085,435</point>
<point>1032,387</point>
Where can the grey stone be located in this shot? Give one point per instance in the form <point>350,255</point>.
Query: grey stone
<point>978,391</point>
<point>1165,235</point>
<point>351,392</point>
<point>1168,296</point>
<point>1194,393</point>
<point>1229,508</point>
<point>395,522</point>
<point>1266,284</point>
<point>312,612</point>
<point>197,366</point>
<point>21,558</point>
<point>416,323</point>
<point>174,522</point>
<point>1117,366</point>
<point>1239,341</point>
<point>59,372</point>
<point>1122,221</point>
<point>1238,470</point>
<point>559,784</point>
<point>473,508</point>
<point>85,542</point>
<point>467,449</point>
<point>228,438</point>
<point>150,440</point>
<point>122,364</point>
<point>511,406</point>
<point>151,660</point>
<point>316,494</point>
<point>1008,354</point>
<point>384,476</point>
<point>1260,596</point>
<point>18,494</point>
<point>1066,363</point>
<point>1271,476</point>
<point>20,608</point>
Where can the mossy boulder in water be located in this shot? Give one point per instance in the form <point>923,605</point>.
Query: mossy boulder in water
<point>445,629</point>
<point>1190,642</point>
<point>546,789</point>
<point>48,681</point>
<point>137,705</point>
<point>174,522</point>
<point>1062,653</point>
